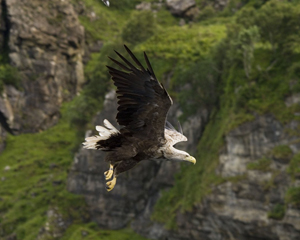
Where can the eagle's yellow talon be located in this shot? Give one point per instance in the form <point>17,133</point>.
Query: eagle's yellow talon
<point>108,174</point>
<point>111,184</point>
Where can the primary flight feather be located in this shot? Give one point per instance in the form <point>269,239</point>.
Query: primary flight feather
<point>144,134</point>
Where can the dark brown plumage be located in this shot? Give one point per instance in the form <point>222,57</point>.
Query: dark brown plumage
<point>143,101</point>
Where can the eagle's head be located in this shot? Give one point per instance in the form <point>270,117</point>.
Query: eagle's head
<point>172,137</point>
<point>172,153</point>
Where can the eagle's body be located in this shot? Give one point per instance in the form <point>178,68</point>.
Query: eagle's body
<point>143,107</point>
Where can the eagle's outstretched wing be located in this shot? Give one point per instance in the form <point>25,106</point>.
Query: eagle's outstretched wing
<point>143,101</point>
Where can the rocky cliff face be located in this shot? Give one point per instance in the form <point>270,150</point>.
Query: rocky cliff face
<point>44,41</point>
<point>239,208</point>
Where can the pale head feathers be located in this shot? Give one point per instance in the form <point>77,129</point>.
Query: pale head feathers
<point>172,153</point>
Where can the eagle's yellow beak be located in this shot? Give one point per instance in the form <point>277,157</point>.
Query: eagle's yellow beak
<point>190,159</point>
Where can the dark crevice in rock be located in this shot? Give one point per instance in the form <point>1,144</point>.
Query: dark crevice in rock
<point>4,123</point>
<point>5,29</point>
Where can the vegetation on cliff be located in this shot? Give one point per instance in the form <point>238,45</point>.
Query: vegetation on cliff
<point>33,186</point>
<point>255,70</point>
<point>33,179</point>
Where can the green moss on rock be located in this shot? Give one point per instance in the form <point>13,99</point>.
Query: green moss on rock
<point>292,196</point>
<point>237,179</point>
<point>262,164</point>
<point>294,166</point>
<point>277,212</point>
<point>91,231</point>
<point>282,152</point>
<point>9,76</point>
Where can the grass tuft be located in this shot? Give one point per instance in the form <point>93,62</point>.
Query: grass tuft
<point>277,212</point>
<point>282,152</point>
<point>91,231</point>
<point>9,76</point>
<point>294,166</point>
<point>292,196</point>
<point>262,164</point>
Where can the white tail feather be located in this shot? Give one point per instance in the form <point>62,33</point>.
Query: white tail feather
<point>108,125</point>
<point>90,142</point>
<point>104,133</point>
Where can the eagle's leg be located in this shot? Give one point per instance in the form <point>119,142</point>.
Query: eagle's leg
<point>117,169</point>
<point>111,184</point>
<point>108,174</point>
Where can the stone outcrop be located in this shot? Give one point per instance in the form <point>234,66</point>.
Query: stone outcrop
<point>143,6</point>
<point>137,190</point>
<point>91,45</point>
<point>147,6</point>
<point>44,41</point>
<point>182,7</point>
<point>55,225</point>
<point>219,5</point>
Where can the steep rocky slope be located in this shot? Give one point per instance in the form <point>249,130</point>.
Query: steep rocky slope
<point>44,41</point>
<point>241,207</point>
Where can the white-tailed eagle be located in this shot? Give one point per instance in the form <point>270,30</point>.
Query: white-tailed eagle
<point>106,2</point>
<point>144,134</point>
